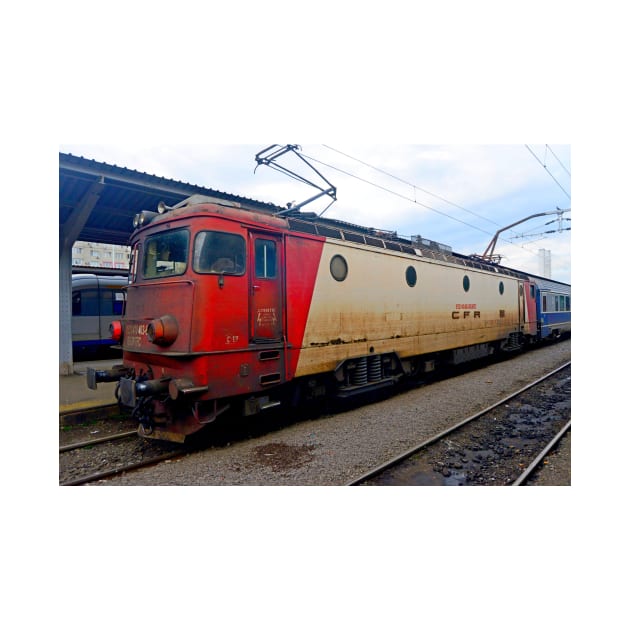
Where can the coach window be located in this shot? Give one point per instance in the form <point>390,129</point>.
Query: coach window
<point>219,252</point>
<point>544,303</point>
<point>112,301</point>
<point>568,303</point>
<point>85,302</point>
<point>411,276</point>
<point>166,254</point>
<point>466,283</point>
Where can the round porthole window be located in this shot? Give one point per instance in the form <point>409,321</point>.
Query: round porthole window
<point>411,276</point>
<point>501,287</point>
<point>338,268</point>
<point>466,283</point>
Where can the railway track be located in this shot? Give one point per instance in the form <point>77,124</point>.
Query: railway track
<point>500,445</point>
<point>86,459</point>
<point>529,472</point>
<point>91,460</point>
<point>88,414</point>
<point>110,472</point>
<point>100,440</point>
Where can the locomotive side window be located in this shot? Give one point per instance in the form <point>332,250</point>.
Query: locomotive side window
<point>338,268</point>
<point>219,252</point>
<point>166,254</point>
<point>501,287</point>
<point>133,263</point>
<point>466,283</point>
<point>411,276</point>
<point>265,258</point>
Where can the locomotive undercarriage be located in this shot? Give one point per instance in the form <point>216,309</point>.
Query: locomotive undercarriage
<point>173,408</point>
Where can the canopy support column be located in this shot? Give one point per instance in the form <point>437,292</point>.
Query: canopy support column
<point>68,234</point>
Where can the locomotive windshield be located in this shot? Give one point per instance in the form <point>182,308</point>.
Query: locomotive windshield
<point>166,254</point>
<point>219,252</point>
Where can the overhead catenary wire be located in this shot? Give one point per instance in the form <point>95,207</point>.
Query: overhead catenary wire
<point>414,186</point>
<point>548,172</point>
<point>393,192</point>
<point>558,159</point>
<point>412,200</point>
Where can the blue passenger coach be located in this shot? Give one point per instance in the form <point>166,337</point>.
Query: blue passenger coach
<point>553,305</point>
<point>96,301</point>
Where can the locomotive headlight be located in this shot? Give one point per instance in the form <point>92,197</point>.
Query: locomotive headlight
<point>116,330</point>
<point>163,331</point>
<point>143,218</point>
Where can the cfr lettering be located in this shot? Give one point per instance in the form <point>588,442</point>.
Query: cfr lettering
<point>466,314</point>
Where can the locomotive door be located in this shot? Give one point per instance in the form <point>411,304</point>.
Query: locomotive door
<point>266,315</point>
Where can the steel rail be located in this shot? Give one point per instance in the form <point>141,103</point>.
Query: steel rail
<point>88,410</point>
<point>534,465</point>
<point>412,451</point>
<point>119,469</point>
<point>105,438</point>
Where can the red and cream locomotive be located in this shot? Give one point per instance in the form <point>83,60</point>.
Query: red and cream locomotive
<point>232,307</point>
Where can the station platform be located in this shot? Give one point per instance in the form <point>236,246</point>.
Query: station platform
<point>74,394</point>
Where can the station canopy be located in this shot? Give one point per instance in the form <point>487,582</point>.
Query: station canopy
<point>123,193</point>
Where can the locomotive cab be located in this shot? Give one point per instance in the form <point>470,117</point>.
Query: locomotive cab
<point>204,322</point>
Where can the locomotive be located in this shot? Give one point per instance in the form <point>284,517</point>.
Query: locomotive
<point>231,307</point>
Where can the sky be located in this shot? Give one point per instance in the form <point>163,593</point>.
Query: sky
<point>457,194</point>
